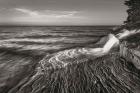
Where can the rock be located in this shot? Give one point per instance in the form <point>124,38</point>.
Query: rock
<point>130,55</point>
<point>130,49</point>
<point>15,69</point>
<point>116,72</point>
<point>106,74</point>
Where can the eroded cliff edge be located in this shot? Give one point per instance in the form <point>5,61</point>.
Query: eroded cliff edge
<point>130,47</point>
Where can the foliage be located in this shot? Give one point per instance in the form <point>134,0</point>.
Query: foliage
<point>133,11</point>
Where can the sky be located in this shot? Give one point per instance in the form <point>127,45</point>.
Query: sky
<point>62,12</point>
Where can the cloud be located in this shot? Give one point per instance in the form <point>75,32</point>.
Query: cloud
<point>30,16</point>
<point>26,11</point>
<point>47,13</point>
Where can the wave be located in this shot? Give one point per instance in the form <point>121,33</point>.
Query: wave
<point>79,55</point>
<point>84,70</point>
<point>77,70</point>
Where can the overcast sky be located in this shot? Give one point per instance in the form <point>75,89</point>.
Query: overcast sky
<point>62,12</point>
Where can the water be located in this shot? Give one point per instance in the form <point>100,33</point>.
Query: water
<point>28,56</point>
<point>40,40</point>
